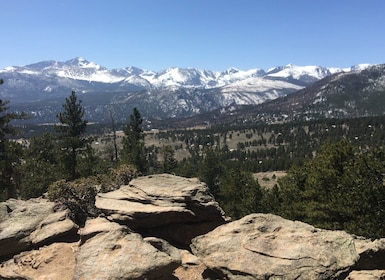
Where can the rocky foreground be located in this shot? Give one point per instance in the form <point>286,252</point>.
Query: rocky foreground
<point>169,227</point>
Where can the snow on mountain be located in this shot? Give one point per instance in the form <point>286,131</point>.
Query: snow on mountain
<point>354,68</point>
<point>334,70</point>
<point>234,75</point>
<point>298,72</point>
<point>83,70</point>
<point>256,90</point>
<point>180,77</point>
<point>258,85</point>
<point>360,67</point>
<point>77,69</point>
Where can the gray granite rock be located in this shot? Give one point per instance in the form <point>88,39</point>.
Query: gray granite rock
<point>165,205</point>
<point>265,246</point>
<point>31,223</point>
<point>121,254</point>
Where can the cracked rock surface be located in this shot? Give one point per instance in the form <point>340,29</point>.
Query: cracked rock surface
<point>159,200</point>
<point>32,223</point>
<point>263,246</point>
<point>121,254</point>
<point>172,207</point>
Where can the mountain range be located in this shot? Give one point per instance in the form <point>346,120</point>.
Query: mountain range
<point>40,88</point>
<point>341,95</point>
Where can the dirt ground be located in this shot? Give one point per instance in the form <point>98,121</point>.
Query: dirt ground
<point>269,179</point>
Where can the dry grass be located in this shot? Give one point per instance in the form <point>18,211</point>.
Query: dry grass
<point>269,179</point>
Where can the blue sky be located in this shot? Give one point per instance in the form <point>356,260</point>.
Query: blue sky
<point>204,34</point>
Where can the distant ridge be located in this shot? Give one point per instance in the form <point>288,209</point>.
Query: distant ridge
<point>341,95</point>
<point>172,93</point>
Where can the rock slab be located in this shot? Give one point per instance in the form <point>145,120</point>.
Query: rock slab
<point>32,223</point>
<point>119,253</point>
<point>265,246</point>
<point>163,202</point>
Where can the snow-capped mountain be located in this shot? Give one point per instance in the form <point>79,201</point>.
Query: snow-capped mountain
<point>359,92</point>
<point>344,95</point>
<point>256,90</point>
<point>77,69</point>
<point>173,92</point>
<point>80,69</point>
<point>303,73</point>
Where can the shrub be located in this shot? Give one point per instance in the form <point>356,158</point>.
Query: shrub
<point>123,174</point>
<point>78,196</point>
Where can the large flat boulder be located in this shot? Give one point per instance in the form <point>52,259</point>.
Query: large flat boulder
<point>118,253</point>
<point>32,223</point>
<point>264,246</point>
<point>163,201</point>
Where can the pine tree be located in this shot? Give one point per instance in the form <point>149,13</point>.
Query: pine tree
<point>10,151</point>
<point>341,188</point>
<point>115,160</point>
<point>133,142</point>
<point>41,166</point>
<point>71,129</point>
<point>210,168</point>
<point>169,161</point>
<point>239,193</point>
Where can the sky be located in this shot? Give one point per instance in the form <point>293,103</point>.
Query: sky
<point>204,34</point>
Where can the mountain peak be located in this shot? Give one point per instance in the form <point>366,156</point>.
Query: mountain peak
<point>76,61</point>
<point>82,63</point>
<point>232,70</point>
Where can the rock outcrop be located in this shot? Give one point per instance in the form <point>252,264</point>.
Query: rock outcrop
<point>169,227</point>
<point>54,261</point>
<point>164,205</point>
<point>118,253</point>
<point>33,223</point>
<point>263,246</point>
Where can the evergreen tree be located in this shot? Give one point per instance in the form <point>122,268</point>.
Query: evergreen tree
<point>91,163</point>
<point>210,169</point>
<point>239,194</point>
<point>169,161</point>
<point>115,159</point>
<point>71,131</point>
<point>341,188</point>
<point>10,152</point>
<point>41,167</point>
<point>133,142</point>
